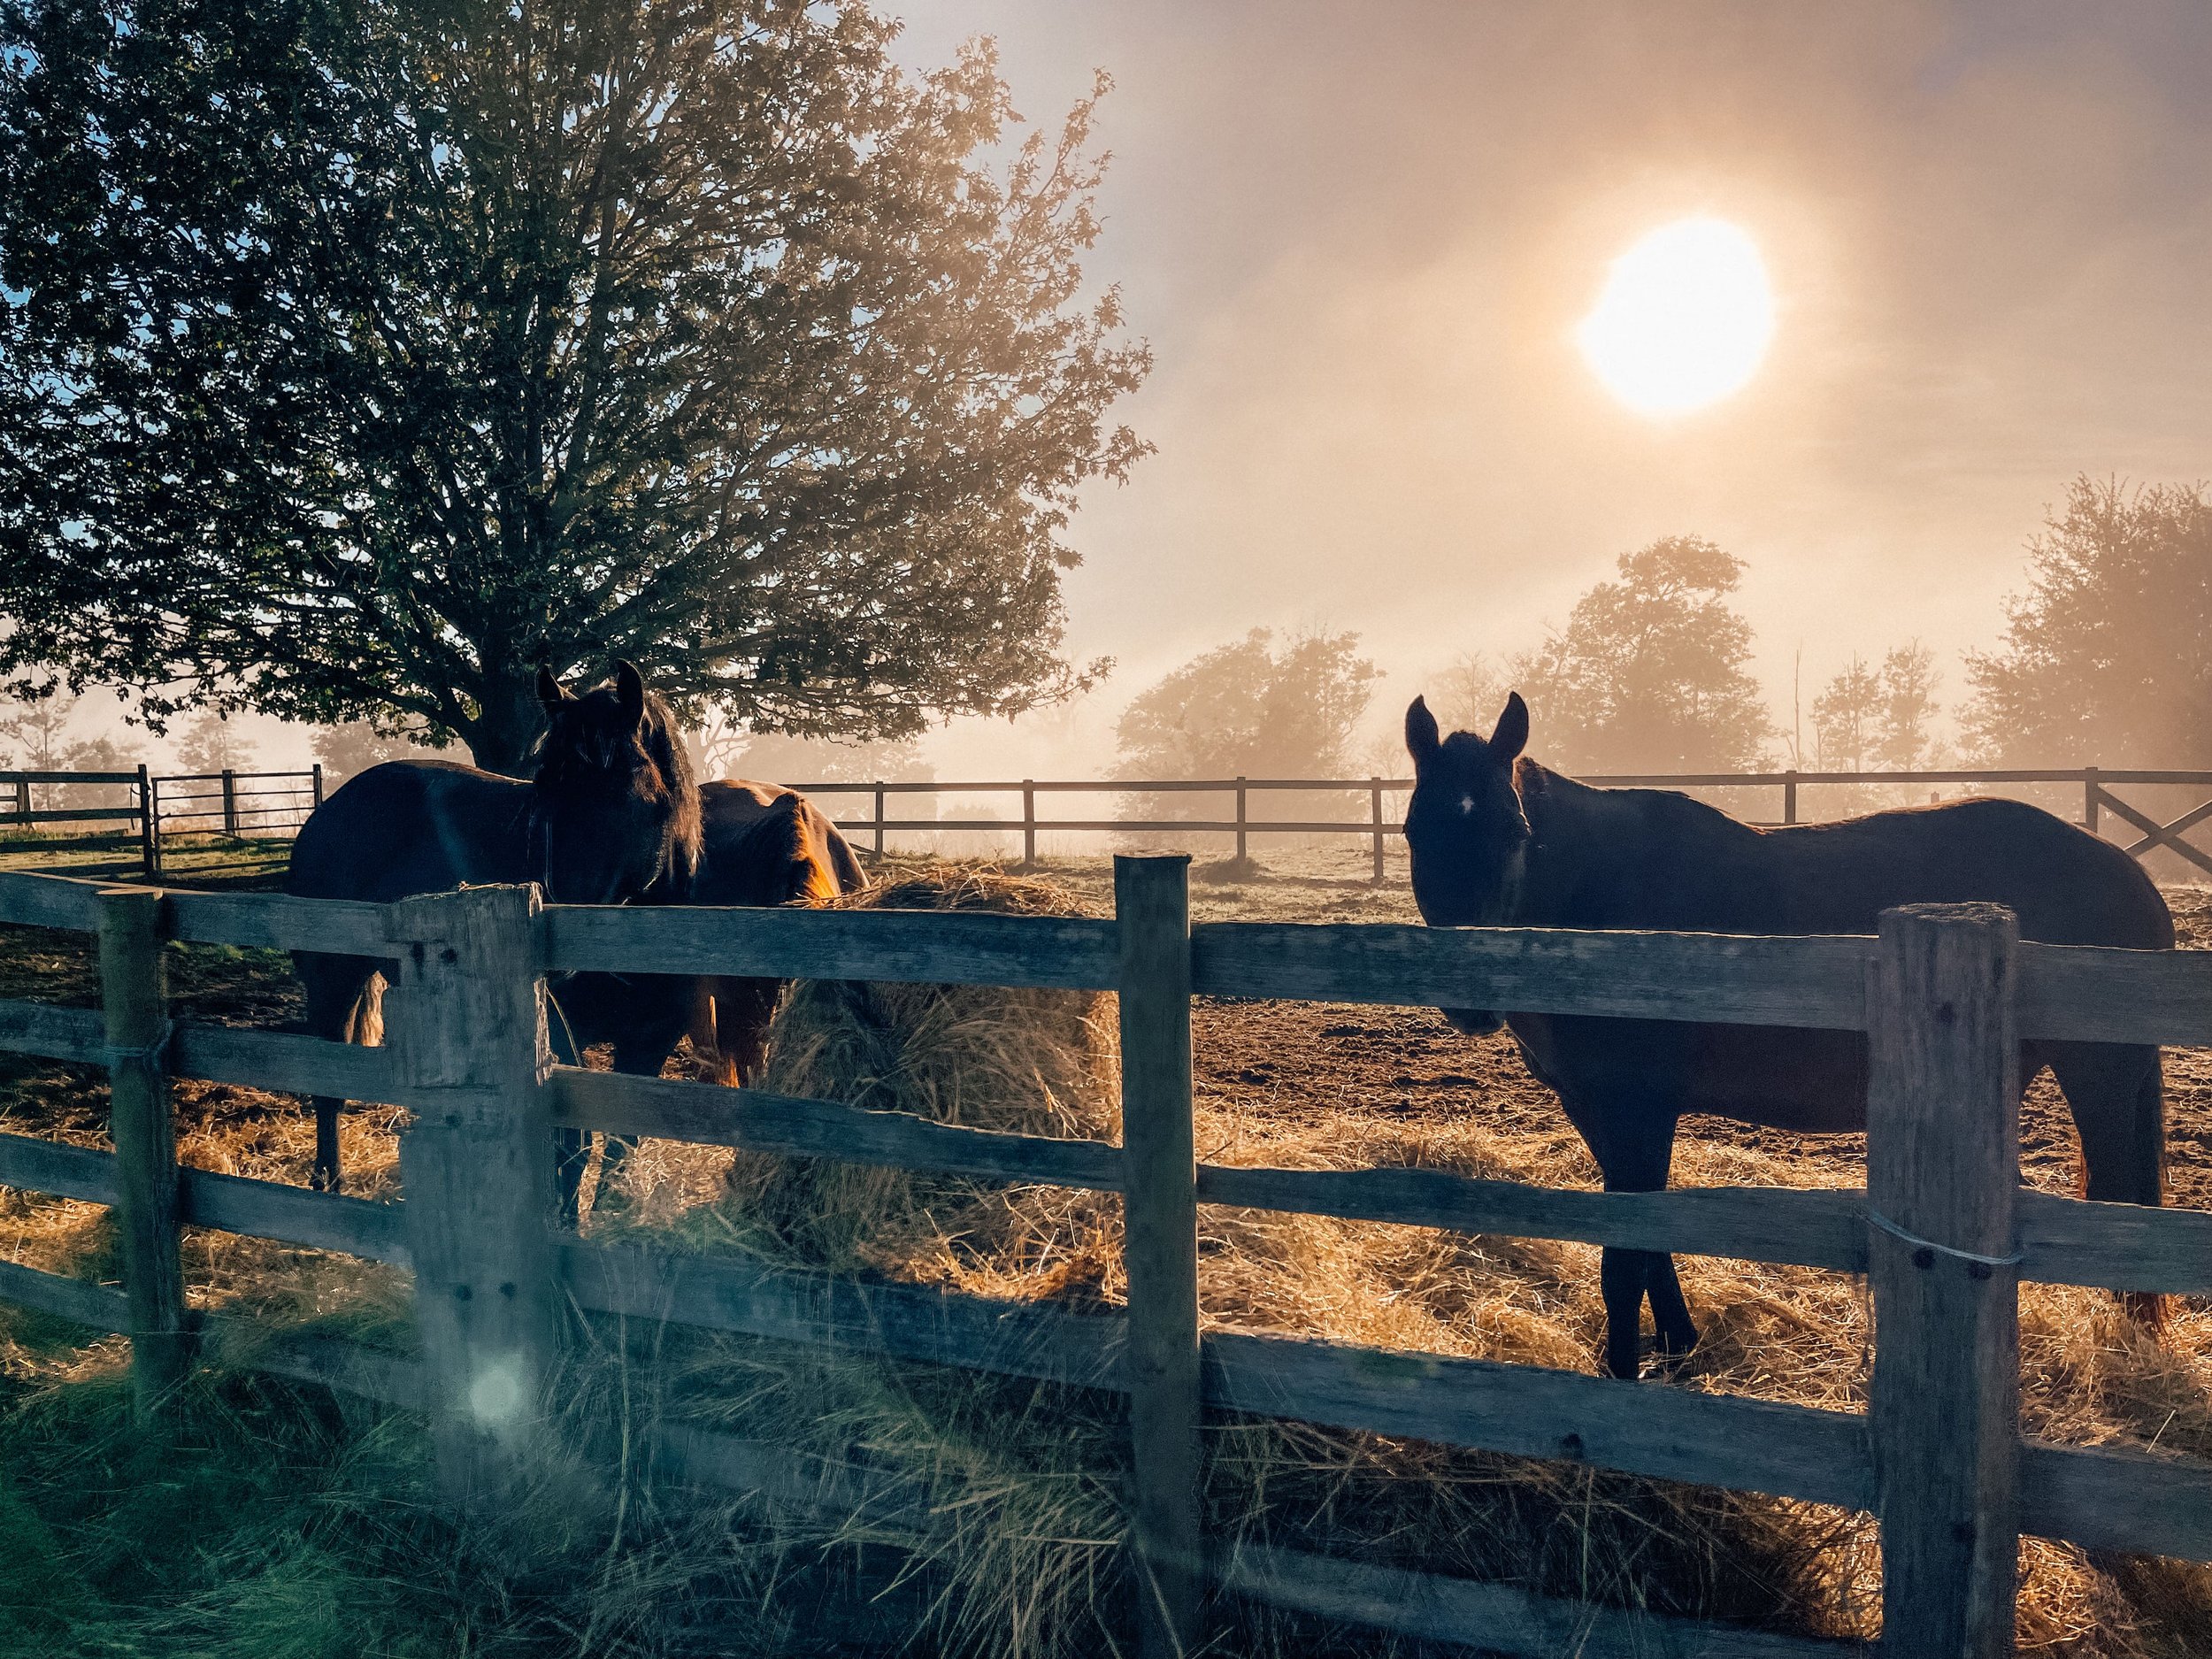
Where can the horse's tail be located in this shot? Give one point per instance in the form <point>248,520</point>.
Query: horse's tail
<point>366,1025</point>
<point>741,1012</point>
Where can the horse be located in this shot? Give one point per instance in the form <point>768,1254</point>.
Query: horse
<point>1498,840</point>
<point>762,844</point>
<point>612,814</point>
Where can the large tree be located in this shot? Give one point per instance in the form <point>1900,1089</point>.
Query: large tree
<point>1883,716</point>
<point>1251,708</point>
<point>1649,674</point>
<point>356,356</point>
<point>2108,656</point>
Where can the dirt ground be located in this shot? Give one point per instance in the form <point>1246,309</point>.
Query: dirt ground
<point>1291,1062</point>
<point>1289,1084</point>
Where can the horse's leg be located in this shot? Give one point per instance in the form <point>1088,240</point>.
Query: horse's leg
<point>571,1147</point>
<point>1669,1311</point>
<point>642,1050</point>
<point>1634,1148</point>
<point>337,997</point>
<point>2117,1093</point>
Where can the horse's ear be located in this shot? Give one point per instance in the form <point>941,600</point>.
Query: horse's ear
<point>1421,735</point>
<point>1511,736</point>
<point>551,691</point>
<point>629,693</point>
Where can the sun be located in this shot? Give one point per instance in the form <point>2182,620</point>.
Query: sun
<point>1686,317</point>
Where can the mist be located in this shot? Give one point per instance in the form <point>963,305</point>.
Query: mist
<point>1360,243</point>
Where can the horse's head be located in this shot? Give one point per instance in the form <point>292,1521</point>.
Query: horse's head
<point>619,809</point>
<point>1465,828</point>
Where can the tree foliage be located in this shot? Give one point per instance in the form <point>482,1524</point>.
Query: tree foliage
<point>1251,709</point>
<point>2108,656</point>
<point>1465,696</point>
<point>1882,715</point>
<point>356,358</point>
<point>39,734</point>
<point>210,743</point>
<point>1648,674</point>
<point>356,746</point>
<point>778,758</point>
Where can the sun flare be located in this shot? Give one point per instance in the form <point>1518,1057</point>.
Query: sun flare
<point>1686,317</point>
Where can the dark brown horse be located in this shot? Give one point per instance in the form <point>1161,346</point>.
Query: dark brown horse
<point>1500,842</point>
<point>762,845</point>
<point>612,814</point>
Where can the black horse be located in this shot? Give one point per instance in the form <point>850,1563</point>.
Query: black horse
<point>761,844</point>
<point>1498,840</point>
<point>611,815</point>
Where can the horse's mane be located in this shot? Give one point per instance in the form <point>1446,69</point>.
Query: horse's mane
<point>665,745</point>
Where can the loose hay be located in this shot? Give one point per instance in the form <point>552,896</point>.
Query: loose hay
<point>1021,1530</point>
<point>1016,1546</point>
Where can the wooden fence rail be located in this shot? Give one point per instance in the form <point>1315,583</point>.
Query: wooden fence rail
<point>237,803</point>
<point>2096,784</point>
<point>262,802</point>
<point>1944,1231</point>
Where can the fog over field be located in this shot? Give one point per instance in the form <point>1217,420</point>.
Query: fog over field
<point>1360,240</point>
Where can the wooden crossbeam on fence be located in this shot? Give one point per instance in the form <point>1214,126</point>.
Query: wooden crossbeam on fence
<point>2156,834</point>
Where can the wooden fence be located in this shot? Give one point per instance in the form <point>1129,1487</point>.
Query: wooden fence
<point>1943,1231</point>
<point>236,803</point>
<point>1380,793</point>
<point>279,800</point>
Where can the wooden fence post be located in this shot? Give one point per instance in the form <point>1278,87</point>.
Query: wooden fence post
<point>879,816</point>
<point>1374,803</point>
<point>1789,797</point>
<point>1943,1153</point>
<point>319,783</point>
<point>230,802</point>
<point>1152,906</point>
<point>1029,824</point>
<point>149,823</point>
<point>133,998</point>
<point>2089,802</point>
<point>1240,822</point>
<point>466,1027</point>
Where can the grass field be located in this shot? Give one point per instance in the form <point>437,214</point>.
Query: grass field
<point>275,1520</point>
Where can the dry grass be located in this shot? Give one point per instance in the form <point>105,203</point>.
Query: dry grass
<point>1024,1515</point>
<point>1016,1547</point>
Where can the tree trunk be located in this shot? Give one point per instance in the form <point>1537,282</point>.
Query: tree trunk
<point>511,720</point>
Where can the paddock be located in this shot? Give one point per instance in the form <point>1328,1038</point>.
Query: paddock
<point>1938,1450</point>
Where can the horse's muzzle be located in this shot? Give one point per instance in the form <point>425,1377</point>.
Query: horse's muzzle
<point>1476,1022</point>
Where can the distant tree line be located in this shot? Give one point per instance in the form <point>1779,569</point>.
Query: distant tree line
<point>2107,659</point>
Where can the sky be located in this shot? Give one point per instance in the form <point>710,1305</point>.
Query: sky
<point>1359,239</point>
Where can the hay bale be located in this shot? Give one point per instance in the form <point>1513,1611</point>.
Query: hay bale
<point>1022,1524</point>
<point>1027,1061</point>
